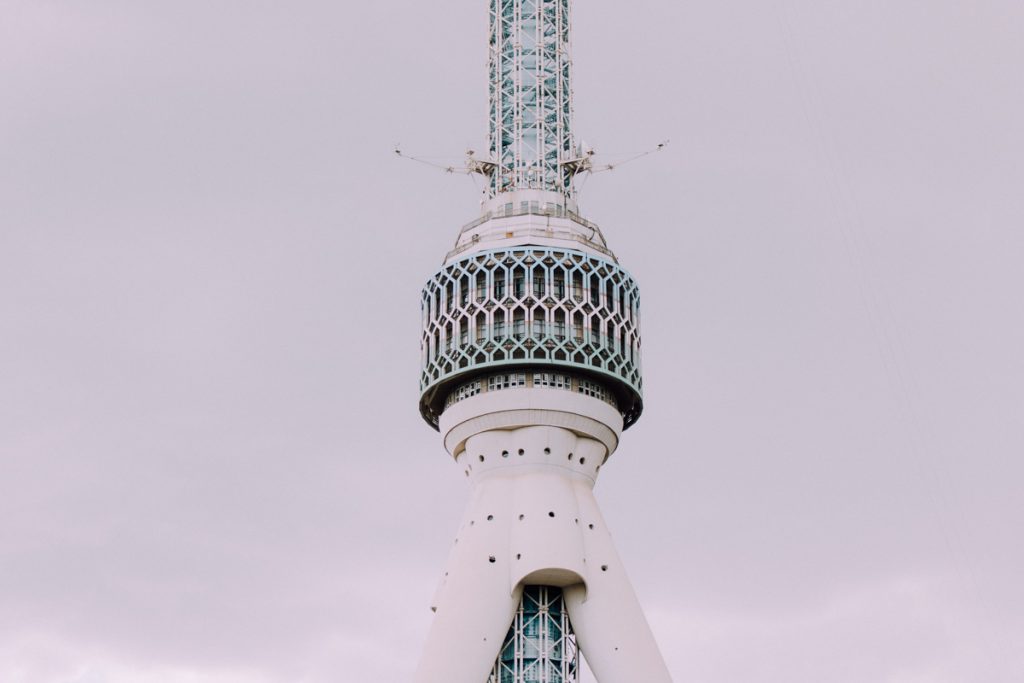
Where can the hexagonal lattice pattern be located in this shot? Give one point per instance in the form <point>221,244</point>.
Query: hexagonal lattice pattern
<point>531,306</point>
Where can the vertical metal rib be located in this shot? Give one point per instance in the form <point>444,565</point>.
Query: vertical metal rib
<point>530,96</point>
<point>540,647</point>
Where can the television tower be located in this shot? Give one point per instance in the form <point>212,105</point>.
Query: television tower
<point>531,372</point>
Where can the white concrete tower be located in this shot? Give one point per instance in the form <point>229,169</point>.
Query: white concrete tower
<point>531,372</point>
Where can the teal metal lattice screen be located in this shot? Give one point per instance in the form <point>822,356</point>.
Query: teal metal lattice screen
<point>530,95</point>
<point>531,306</point>
<point>539,647</point>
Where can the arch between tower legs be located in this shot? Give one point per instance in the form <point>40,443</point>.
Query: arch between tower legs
<point>532,460</point>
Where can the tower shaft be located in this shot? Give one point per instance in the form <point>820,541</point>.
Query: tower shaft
<point>532,523</point>
<point>530,96</point>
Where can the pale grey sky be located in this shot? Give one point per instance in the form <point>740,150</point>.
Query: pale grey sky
<point>212,468</point>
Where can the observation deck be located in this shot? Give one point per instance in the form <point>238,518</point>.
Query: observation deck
<point>531,296</point>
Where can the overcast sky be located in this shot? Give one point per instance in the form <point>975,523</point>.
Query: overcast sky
<point>212,468</point>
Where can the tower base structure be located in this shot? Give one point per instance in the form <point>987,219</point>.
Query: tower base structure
<point>532,455</point>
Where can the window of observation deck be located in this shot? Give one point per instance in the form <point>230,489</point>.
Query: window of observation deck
<point>506,381</point>
<point>552,379</point>
<point>519,326</point>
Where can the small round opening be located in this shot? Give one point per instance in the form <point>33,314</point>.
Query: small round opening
<point>522,452</point>
<point>547,451</point>
<point>492,559</point>
<point>522,517</point>
<point>504,454</point>
<point>591,526</point>
<point>490,518</point>
<point>551,514</point>
<point>583,461</point>
<point>481,458</point>
<point>604,567</point>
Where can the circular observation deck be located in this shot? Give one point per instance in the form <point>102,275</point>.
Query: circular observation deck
<point>549,312</point>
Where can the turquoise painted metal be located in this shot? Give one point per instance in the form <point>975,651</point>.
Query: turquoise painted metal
<point>530,96</point>
<point>531,307</point>
<point>539,647</point>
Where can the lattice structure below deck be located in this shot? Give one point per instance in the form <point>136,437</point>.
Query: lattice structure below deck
<point>539,647</point>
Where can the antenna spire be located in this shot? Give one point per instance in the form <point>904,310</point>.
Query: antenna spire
<point>531,143</point>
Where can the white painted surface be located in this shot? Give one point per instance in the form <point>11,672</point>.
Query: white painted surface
<point>526,406</point>
<point>533,229</point>
<point>528,195</point>
<point>533,519</point>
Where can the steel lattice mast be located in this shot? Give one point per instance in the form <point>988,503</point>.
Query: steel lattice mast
<point>530,96</point>
<point>531,372</point>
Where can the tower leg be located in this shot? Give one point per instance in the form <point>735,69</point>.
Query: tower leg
<point>466,636</point>
<point>614,637</point>
<point>610,627</point>
<point>475,603</point>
